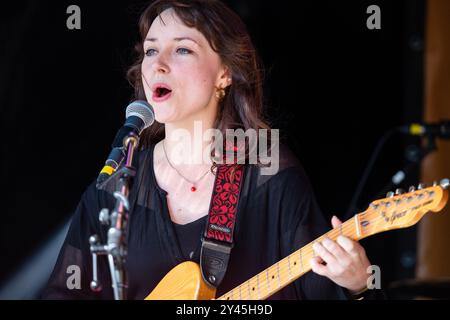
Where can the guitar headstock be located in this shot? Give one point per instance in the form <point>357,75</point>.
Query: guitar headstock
<point>401,210</point>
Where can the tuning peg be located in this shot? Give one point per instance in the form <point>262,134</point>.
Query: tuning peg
<point>445,183</point>
<point>390,194</point>
<point>430,193</point>
<point>421,186</point>
<point>412,189</point>
<point>399,191</point>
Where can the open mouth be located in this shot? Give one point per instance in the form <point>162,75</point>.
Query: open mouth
<point>162,92</point>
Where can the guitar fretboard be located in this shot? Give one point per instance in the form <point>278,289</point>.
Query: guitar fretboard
<point>289,269</point>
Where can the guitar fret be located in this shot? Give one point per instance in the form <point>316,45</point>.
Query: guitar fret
<point>253,281</point>
<point>278,270</point>
<point>248,286</point>
<point>358,231</point>
<point>267,277</point>
<point>301,261</point>
<point>289,266</point>
<point>340,229</point>
<point>257,286</point>
<point>240,293</point>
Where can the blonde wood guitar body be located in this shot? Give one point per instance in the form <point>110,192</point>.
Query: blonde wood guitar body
<point>184,282</point>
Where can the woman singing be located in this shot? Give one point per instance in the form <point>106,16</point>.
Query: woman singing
<point>199,71</point>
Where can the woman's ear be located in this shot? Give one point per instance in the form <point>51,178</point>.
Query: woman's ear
<point>225,78</point>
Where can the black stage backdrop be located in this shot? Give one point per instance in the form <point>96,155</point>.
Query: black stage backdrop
<point>333,87</point>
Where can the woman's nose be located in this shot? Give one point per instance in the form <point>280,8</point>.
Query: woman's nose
<point>160,65</point>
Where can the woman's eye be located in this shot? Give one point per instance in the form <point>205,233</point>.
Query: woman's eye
<point>150,52</point>
<point>183,51</point>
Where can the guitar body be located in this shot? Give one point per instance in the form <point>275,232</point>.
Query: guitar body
<point>184,282</point>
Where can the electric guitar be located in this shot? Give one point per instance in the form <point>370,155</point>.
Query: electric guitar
<point>397,210</point>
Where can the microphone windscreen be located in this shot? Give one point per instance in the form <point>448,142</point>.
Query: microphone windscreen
<point>143,110</point>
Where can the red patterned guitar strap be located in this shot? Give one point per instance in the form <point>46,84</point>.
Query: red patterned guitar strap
<point>218,238</point>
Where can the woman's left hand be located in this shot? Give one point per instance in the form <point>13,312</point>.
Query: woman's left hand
<point>343,261</point>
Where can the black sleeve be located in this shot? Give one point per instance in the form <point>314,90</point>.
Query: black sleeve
<point>75,259</point>
<point>302,222</point>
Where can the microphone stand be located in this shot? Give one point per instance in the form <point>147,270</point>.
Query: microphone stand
<point>116,247</point>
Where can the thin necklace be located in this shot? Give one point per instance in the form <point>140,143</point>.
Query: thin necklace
<point>193,183</point>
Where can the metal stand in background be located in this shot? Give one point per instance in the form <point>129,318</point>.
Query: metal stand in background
<point>116,246</point>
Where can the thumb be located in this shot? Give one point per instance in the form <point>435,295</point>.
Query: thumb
<point>335,222</point>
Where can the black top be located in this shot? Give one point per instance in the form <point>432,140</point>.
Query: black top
<point>277,214</point>
<point>189,237</point>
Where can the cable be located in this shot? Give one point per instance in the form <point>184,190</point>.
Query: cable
<point>367,170</point>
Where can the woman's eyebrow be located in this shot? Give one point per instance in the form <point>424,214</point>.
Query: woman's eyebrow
<point>186,38</point>
<point>178,39</point>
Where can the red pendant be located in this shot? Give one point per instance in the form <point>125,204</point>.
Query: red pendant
<point>193,189</point>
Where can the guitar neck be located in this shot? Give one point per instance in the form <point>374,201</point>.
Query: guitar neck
<point>292,267</point>
<point>393,212</point>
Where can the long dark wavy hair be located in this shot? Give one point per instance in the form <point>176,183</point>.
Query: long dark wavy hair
<point>242,106</point>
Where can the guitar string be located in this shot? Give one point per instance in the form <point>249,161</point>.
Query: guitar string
<point>305,251</point>
<point>347,227</point>
<point>283,273</point>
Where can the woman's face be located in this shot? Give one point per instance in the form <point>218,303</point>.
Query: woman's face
<point>180,71</point>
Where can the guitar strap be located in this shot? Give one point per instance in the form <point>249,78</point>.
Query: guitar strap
<point>217,241</point>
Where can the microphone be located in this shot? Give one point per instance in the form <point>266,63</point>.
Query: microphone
<point>139,116</point>
<point>440,129</point>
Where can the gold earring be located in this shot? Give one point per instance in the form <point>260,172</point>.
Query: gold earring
<point>220,93</point>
